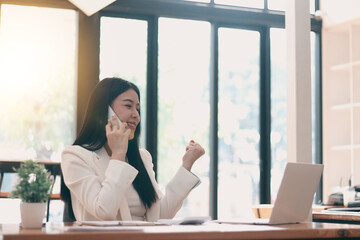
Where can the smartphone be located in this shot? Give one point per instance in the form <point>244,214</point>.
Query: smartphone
<point>111,113</point>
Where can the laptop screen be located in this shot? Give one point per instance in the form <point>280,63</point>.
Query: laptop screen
<point>296,193</point>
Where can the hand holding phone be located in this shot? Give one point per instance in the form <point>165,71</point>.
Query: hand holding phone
<point>118,142</point>
<point>111,113</point>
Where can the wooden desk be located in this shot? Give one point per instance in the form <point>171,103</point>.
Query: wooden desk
<point>337,217</point>
<point>202,232</point>
<point>264,210</point>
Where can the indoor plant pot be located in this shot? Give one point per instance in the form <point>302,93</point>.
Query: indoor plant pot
<point>32,214</point>
<point>33,188</point>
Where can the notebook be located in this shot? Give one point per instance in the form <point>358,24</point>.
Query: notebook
<point>294,200</point>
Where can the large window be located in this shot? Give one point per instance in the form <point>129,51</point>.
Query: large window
<point>37,74</point>
<point>183,108</point>
<point>238,121</point>
<point>38,88</point>
<point>278,108</point>
<point>123,53</point>
<point>278,105</point>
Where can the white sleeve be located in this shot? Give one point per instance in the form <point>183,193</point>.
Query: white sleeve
<point>176,192</point>
<point>100,198</point>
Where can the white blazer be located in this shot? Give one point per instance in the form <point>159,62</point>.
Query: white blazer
<point>98,186</point>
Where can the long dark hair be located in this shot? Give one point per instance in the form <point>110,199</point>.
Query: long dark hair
<point>92,137</point>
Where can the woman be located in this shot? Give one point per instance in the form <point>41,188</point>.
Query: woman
<point>108,176</point>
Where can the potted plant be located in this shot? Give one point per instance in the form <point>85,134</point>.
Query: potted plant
<point>33,188</point>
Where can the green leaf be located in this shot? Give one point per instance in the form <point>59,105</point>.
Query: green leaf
<point>38,188</point>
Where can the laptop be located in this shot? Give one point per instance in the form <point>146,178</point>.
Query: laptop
<point>294,200</point>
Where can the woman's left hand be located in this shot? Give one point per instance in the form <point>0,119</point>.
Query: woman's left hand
<point>193,152</point>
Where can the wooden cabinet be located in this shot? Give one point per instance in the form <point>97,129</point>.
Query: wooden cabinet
<point>341,105</point>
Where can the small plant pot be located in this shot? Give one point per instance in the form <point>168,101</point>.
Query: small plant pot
<point>32,214</point>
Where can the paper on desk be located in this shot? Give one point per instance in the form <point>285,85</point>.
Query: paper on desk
<point>101,228</point>
<point>116,223</point>
<point>132,225</point>
<point>181,221</point>
<point>83,226</point>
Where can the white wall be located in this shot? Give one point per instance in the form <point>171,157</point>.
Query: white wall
<point>336,11</point>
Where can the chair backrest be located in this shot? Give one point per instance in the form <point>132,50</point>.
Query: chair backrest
<point>8,167</point>
<point>68,215</point>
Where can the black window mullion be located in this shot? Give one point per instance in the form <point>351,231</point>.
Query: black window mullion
<point>318,111</point>
<point>152,89</point>
<point>317,5</point>
<point>265,117</point>
<point>214,78</point>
